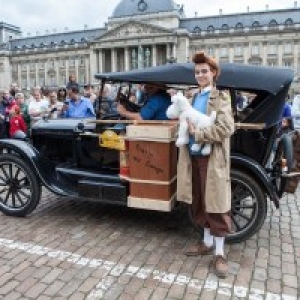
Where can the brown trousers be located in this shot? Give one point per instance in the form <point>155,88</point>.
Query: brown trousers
<point>219,223</point>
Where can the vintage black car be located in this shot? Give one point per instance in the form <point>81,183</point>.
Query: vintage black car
<point>64,155</point>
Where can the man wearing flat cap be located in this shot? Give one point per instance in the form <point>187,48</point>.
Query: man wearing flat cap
<point>156,104</point>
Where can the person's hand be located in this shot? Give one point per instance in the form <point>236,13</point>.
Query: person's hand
<point>191,127</point>
<point>121,109</point>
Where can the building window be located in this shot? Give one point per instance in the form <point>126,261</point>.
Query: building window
<point>255,25</point>
<point>24,82</point>
<point>24,66</point>
<point>41,65</point>
<point>239,26</point>
<point>210,51</point>
<point>62,63</point>
<point>287,63</point>
<point>32,81</point>
<point>238,50</point>
<point>225,28</point>
<point>255,49</point>
<point>210,29</point>
<point>32,66</point>
<point>82,61</point>
<point>287,48</point>
<point>272,63</point>
<point>288,23</point>
<point>62,79</point>
<point>72,62</point>
<point>1,67</point>
<point>273,24</point>
<point>15,68</point>
<point>272,49</point>
<point>197,30</point>
<point>51,64</point>
<point>223,52</point>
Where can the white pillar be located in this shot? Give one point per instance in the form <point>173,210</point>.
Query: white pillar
<point>113,60</point>
<point>126,59</point>
<point>36,72</point>
<point>93,63</point>
<point>86,70</point>
<point>56,66</point>
<point>100,61</point>
<point>154,55</point>
<point>45,74</point>
<point>77,69</point>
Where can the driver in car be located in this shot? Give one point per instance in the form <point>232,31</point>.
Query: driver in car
<point>155,107</point>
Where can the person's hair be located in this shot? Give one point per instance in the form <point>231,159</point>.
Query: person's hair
<point>201,58</point>
<point>61,89</point>
<point>74,89</point>
<point>19,95</point>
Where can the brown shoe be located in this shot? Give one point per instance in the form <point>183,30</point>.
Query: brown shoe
<point>199,249</point>
<point>220,266</point>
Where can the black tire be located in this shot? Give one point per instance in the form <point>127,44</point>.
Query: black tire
<point>20,190</point>
<point>248,208</point>
<point>283,150</point>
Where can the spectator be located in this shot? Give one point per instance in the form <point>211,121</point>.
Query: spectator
<point>37,107</point>
<point>2,120</point>
<point>55,107</point>
<point>62,95</point>
<point>156,103</point>
<point>88,92</point>
<point>106,102</point>
<point>8,101</point>
<point>20,101</point>
<point>72,82</point>
<point>77,106</point>
<point>17,129</point>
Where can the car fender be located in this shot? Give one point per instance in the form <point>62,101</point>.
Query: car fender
<point>247,164</point>
<point>45,170</point>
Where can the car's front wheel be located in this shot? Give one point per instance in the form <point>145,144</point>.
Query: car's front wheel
<point>20,190</point>
<point>248,207</point>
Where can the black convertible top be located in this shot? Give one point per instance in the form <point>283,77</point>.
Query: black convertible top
<point>238,76</point>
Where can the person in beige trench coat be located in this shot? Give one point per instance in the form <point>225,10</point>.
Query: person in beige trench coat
<point>204,181</point>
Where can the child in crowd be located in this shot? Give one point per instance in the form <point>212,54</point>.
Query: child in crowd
<point>17,126</point>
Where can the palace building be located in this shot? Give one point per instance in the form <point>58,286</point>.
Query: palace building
<point>146,33</point>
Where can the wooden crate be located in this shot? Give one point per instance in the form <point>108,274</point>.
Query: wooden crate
<point>152,160</point>
<point>152,165</point>
<point>155,190</point>
<point>163,131</point>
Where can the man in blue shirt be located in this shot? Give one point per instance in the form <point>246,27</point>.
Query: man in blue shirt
<point>76,106</point>
<point>156,104</point>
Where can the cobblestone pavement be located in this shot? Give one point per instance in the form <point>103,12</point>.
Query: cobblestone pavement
<point>68,249</point>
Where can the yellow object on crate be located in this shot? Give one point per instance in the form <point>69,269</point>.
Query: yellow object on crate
<point>110,139</point>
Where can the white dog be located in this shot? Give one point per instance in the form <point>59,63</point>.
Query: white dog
<point>182,109</point>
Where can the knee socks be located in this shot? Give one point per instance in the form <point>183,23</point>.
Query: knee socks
<point>208,238</point>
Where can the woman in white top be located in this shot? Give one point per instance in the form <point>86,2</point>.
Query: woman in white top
<point>37,106</point>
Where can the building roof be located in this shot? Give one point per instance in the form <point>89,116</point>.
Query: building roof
<point>57,39</point>
<point>138,7</point>
<point>250,19</point>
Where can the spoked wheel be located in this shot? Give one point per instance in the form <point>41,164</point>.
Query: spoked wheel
<point>248,208</point>
<point>19,187</point>
<point>284,150</point>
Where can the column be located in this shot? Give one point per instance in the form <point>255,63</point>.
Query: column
<point>126,59</point>
<point>93,63</point>
<point>169,53</point>
<point>86,69</point>
<point>56,66</point>
<point>36,72</point>
<point>67,69</point>
<point>113,60</point>
<point>100,61</point>
<point>77,69</point>
<point>154,55</point>
<point>45,73</point>
<point>19,74</point>
<point>174,54</point>
<point>264,54</point>
<point>279,54</point>
<point>28,74</point>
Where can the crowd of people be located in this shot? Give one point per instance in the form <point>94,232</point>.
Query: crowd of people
<point>19,113</point>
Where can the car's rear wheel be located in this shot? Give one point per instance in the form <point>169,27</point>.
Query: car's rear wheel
<point>20,190</point>
<point>248,207</point>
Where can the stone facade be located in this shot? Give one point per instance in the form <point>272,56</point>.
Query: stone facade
<point>145,38</point>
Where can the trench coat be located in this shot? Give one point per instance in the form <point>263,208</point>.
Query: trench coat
<point>218,187</point>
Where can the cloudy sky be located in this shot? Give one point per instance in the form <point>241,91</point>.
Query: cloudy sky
<point>55,15</point>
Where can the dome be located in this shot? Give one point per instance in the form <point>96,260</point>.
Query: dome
<point>138,7</point>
